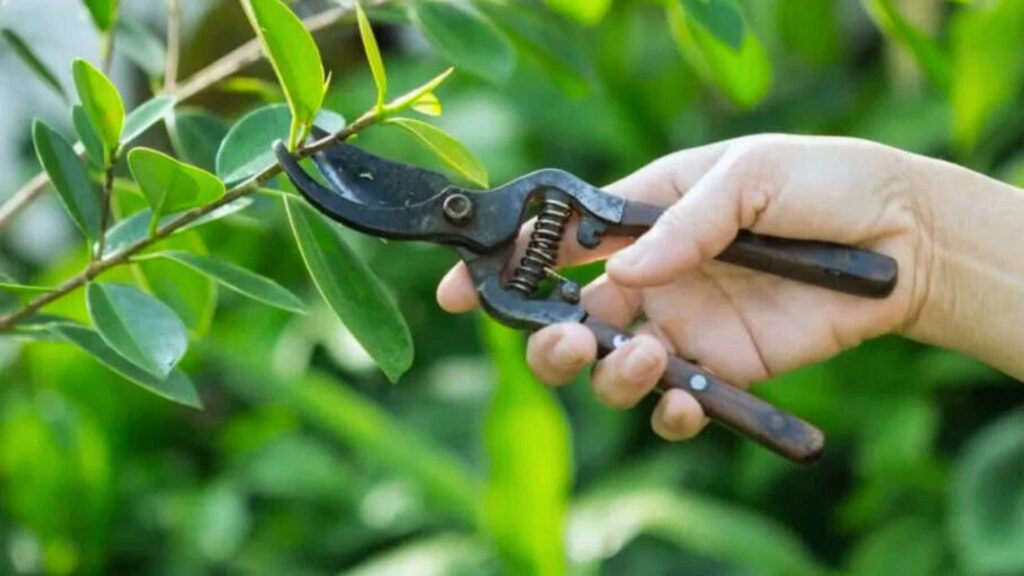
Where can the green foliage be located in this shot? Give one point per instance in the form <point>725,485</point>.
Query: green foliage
<point>69,178</point>
<point>446,148</point>
<point>37,66</point>
<point>170,185</point>
<point>145,116</point>
<point>102,104</point>
<point>141,46</point>
<point>196,135</point>
<point>463,37</point>
<point>932,59</point>
<point>373,57</point>
<point>103,13</point>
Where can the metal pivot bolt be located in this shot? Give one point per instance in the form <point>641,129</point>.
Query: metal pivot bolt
<point>458,209</point>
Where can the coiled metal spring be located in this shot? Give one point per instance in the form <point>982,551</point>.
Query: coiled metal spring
<point>542,249</point>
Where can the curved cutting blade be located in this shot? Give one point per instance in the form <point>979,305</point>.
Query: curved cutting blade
<point>374,181</point>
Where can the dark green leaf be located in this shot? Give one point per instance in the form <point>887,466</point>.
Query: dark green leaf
<point>196,136</point>
<point>926,51</point>
<point>87,135</point>
<point>295,58</point>
<point>246,150</point>
<point>191,295</point>
<point>103,12</point>
<point>139,327</point>
<point>170,185</point>
<point>722,18</point>
<point>135,228</point>
<point>352,290</point>
<point>465,38</point>
<point>585,11</point>
<point>147,114</point>
<point>141,46</point>
<point>380,77</point>
<point>908,547</point>
<point>446,148</point>
<point>240,280</point>
<point>69,177</point>
<point>38,67</point>
<point>101,101</point>
<point>175,386</point>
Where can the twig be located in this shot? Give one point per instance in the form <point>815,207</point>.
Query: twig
<point>108,186</point>
<point>225,66</point>
<point>100,266</point>
<point>173,44</point>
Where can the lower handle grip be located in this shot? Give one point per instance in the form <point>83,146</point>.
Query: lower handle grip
<point>734,407</point>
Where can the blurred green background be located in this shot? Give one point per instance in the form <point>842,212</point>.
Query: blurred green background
<point>306,460</point>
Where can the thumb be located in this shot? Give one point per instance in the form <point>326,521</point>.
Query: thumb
<point>693,230</point>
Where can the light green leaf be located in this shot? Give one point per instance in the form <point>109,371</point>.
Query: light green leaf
<point>245,282</point>
<point>446,555</point>
<point>23,289</point>
<point>175,386</point>
<point>69,177</point>
<point>528,444</point>
<point>196,135</point>
<point>427,104</point>
<point>103,12</point>
<point>139,327</point>
<point>743,75</point>
<point>446,148</point>
<point>246,150</point>
<point>925,51</point>
<point>170,185</point>
<point>101,101</point>
<point>380,77</point>
<point>141,46</point>
<point>295,58</point>
<point>267,91</point>
<point>146,115</point>
<point>38,67</point>
<point>465,38</point>
<point>585,11</point>
<point>135,228</point>
<point>986,513</point>
<point>191,295</point>
<point>352,290</point>
<point>94,150</point>
<point>722,18</point>
<point>415,95</point>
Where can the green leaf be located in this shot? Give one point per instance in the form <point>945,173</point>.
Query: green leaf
<point>141,46</point>
<point>38,67</point>
<point>101,101</point>
<point>265,90</point>
<point>603,522</point>
<point>446,148</point>
<point>465,38</point>
<point>135,228</point>
<point>69,177</point>
<point>87,135</point>
<point>445,555</point>
<point>139,327</point>
<point>380,77</point>
<point>722,18</point>
<point>191,295</point>
<point>427,104</point>
<point>586,11</point>
<point>352,290</point>
<point>295,58</point>
<point>23,289</point>
<point>103,13</point>
<point>196,135</point>
<point>986,513</point>
<point>246,149</point>
<point>245,282</point>
<point>410,98</point>
<point>987,67</point>
<point>170,185</point>
<point>811,29</point>
<point>744,75</point>
<point>925,51</point>
<point>146,115</point>
<point>528,444</point>
<point>908,547</point>
<point>175,386</point>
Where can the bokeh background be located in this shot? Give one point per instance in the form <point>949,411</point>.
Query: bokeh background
<point>306,460</point>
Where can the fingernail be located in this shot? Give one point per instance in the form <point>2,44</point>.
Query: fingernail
<point>564,354</point>
<point>639,364</point>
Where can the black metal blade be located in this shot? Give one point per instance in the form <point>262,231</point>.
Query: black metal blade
<point>374,181</point>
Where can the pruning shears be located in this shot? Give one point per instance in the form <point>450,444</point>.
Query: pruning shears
<point>388,199</point>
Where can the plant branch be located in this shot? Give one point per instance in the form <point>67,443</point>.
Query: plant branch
<point>225,66</point>
<point>173,44</point>
<point>245,188</point>
<point>108,186</point>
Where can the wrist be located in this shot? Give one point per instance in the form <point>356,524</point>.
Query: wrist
<point>972,298</point>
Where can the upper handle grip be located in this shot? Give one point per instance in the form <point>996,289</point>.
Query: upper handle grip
<point>734,407</point>
<point>834,266</point>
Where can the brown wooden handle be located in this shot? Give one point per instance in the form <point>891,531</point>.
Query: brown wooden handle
<point>734,407</point>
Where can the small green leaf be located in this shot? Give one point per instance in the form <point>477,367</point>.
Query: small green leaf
<point>295,58</point>
<point>22,289</point>
<point>69,177</point>
<point>196,135</point>
<point>175,386</point>
<point>141,46</point>
<point>101,101</point>
<point>380,78</point>
<point>925,51</point>
<point>411,97</point>
<point>170,185</point>
<point>191,295</point>
<point>103,12</point>
<point>352,290</point>
<point>139,327</point>
<point>246,150</point>
<point>585,11</point>
<point>465,38</point>
<point>245,282</point>
<point>267,91</point>
<point>722,18</point>
<point>446,148</point>
<point>135,228</point>
<point>146,115</point>
<point>427,104</point>
<point>41,70</point>
<point>90,139</point>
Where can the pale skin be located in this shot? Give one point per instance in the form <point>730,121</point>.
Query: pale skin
<point>957,235</point>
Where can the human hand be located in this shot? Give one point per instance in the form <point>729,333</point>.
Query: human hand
<point>745,326</point>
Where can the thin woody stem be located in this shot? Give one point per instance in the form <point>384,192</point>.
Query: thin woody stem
<point>108,186</point>
<point>173,44</point>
